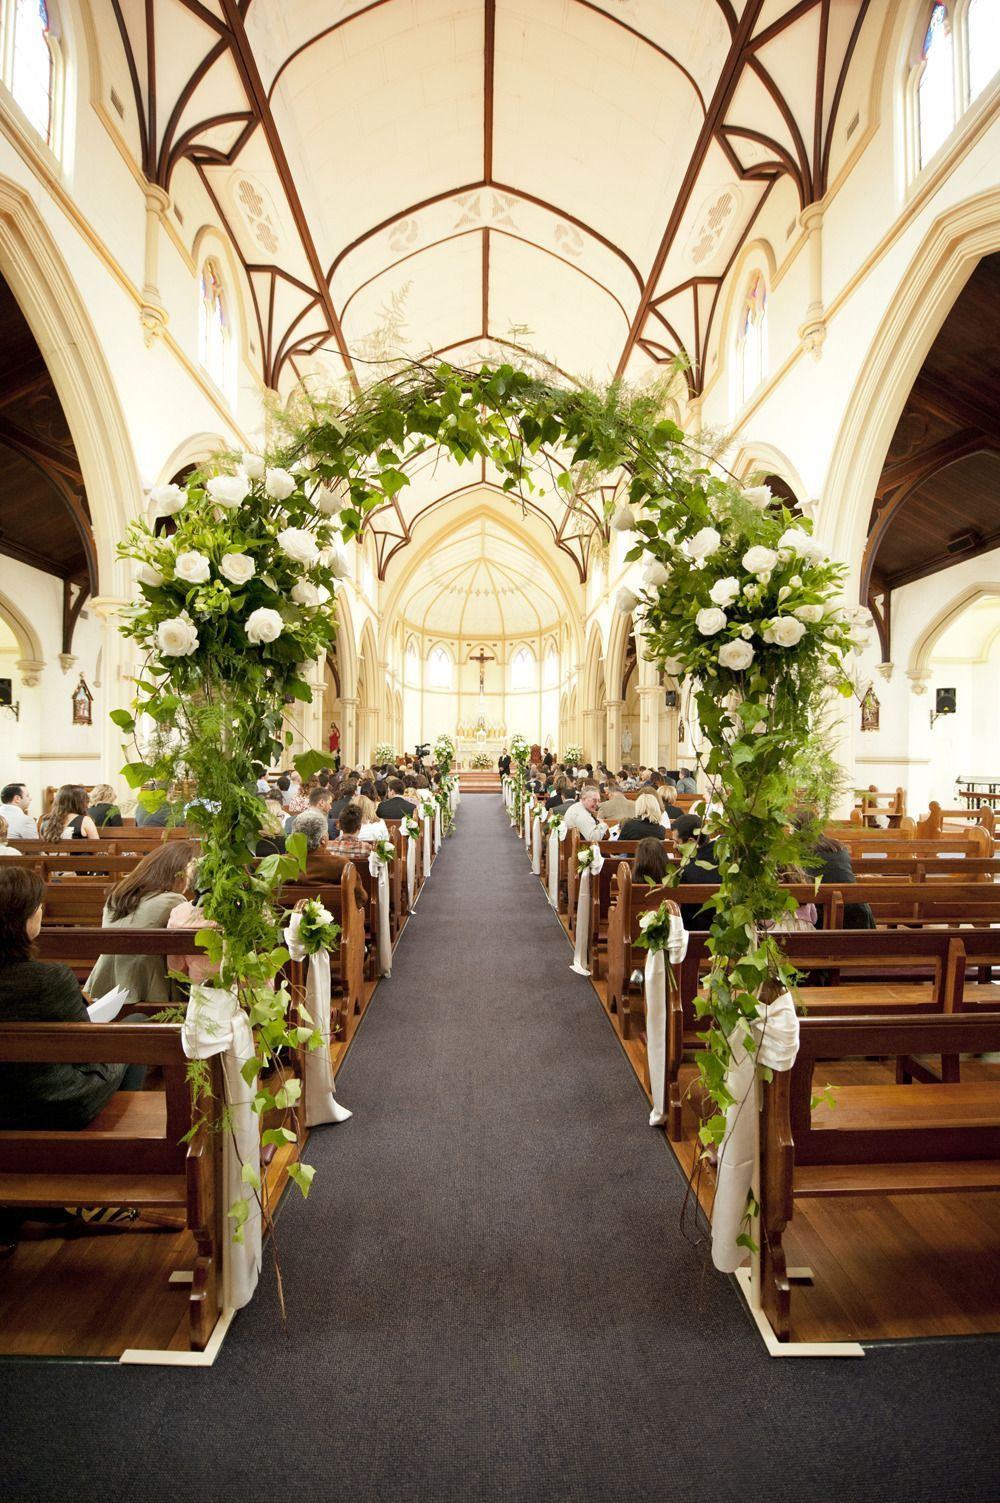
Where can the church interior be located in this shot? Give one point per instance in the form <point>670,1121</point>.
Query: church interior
<point>221,220</point>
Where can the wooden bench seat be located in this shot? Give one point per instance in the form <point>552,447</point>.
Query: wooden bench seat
<point>132,1153</point>
<point>345,900</point>
<point>876,1140</point>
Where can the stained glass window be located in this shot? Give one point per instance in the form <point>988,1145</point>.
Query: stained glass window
<point>936,89</point>
<point>983,30</point>
<point>439,669</point>
<point>214,339</point>
<point>522,670</point>
<point>32,64</point>
<point>753,336</point>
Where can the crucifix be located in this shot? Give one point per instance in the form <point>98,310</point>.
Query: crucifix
<point>482,659</point>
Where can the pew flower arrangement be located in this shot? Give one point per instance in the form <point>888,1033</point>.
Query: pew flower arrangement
<point>586,856</point>
<point>428,808</point>
<point>318,929</point>
<point>520,751</point>
<point>555,820</point>
<point>444,755</point>
<point>655,929</point>
<point>442,797</point>
<point>384,851</point>
<point>410,827</point>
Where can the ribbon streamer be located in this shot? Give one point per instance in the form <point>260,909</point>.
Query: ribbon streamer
<point>555,837</point>
<point>581,952</point>
<point>427,845</point>
<point>776,1032</point>
<point>380,869</point>
<point>655,993</point>
<point>527,823</point>
<point>437,829</point>
<point>320,1092</point>
<point>215,1023</point>
<point>411,871</point>
<point>536,847</point>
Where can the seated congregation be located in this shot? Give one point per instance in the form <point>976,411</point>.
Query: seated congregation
<point>892,1107</point>
<point>101,1134</point>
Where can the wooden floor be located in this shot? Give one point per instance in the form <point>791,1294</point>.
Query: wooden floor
<point>883,1268</point>
<point>101,1293</point>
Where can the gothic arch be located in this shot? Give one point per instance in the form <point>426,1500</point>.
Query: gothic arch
<point>927,291</point>
<point>27,638</point>
<point>58,318</point>
<point>923,647</point>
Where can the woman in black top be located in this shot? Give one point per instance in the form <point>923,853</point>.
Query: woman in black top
<point>102,807</point>
<point>44,1096</point>
<point>645,823</point>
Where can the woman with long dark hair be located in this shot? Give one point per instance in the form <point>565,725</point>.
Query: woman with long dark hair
<point>56,1096</point>
<point>144,900</point>
<point>68,818</point>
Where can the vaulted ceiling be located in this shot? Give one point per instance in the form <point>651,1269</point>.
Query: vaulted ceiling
<point>574,175</point>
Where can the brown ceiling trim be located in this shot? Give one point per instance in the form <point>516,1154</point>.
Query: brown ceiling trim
<point>955,407</point>
<point>824,40</point>
<point>47,455</point>
<point>166,155</point>
<point>941,561</point>
<point>68,488</point>
<point>720,281</point>
<point>721,98</point>
<point>463,234</point>
<point>913,471</point>
<point>326,32</point>
<point>35,560</point>
<point>530,198</point>
<point>804,178</point>
<point>486,283</point>
<point>648,42</point>
<point>729,15</point>
<point>824,165</point>
<point>206,16</point>
<point>489,69</point>
<point>71,611</point>
<point>190,147</point>
<point>147,163</point>
<point>782,24</point>
<point>761,171</point>
<point>247,65</point>
<point>151,74</point>
<point>206,183</point>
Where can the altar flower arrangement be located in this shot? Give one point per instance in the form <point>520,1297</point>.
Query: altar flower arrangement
<point>481,759</point>
<point>384,753</point>
<point>318,930</point>
<point>572,756</point>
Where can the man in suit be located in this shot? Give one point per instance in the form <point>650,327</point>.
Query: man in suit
<point>396,806</point>
<point>503,762</point>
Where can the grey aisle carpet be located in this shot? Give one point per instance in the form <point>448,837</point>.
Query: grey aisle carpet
<point>490,1296</point>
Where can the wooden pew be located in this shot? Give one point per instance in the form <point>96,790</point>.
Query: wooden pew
<point>875,1140</point>
<point>933,822</point>
<point>928,902</point>
<point>888,844</point>
<point>132,1154</point>
<point>629,901</point>
<point>921,869</point>
<point>346,901</point>
<point>112,866</point>
<point>78,903</point>
<point>874,803</point>
<point>79,948</point>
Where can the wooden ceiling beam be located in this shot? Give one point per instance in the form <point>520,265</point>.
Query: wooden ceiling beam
<point>944,401</point>
<point>918,468</point>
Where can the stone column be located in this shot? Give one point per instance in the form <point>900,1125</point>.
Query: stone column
<point>593,723</point>
<point>650,703</point>
<point>813,331</point>
<point>614,754</point>
<point>152,313</point>
<point>349,731</point>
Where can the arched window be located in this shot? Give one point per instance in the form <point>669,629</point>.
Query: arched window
<point>982,26</point>
<point>752,339</point>
<point>522,670</point>
<point>32,65</point>
<point>411,667</point>
<point>936,85</point>
<point>439,674</point>
<point>215,337</point>
<point>551,667</point>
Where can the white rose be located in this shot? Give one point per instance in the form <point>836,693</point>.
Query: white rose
<point>673,666</point>
<point>279,484</point>
<point>759,496</point>
<point>229,491</point>
<point>177,637</point>
<point>193,568</point>
<point>647,919</point>
<point>167,499</point>
<point>809,613</point>
<point>307,593</point>
<point>149,574</point>
<point>710,620</point>
<point>704,543</point>
<point>623,518</point>
<point>736,656</point>
<point>785,631</point>
<point>759,560</point>
<point>626,600</point>
<point>328,501</point>
<point>238,568</point>
<point>297,544</point>
<point>253,465</point>
<point>655,574</point>
<point>724,591</point>
<point>338,563</point>
<point>746,632</point>
<point>263,625</point>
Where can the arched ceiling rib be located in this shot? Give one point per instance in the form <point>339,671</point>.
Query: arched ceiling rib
<point>610,157</point>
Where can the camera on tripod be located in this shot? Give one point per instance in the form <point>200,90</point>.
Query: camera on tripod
<point>422,751</point>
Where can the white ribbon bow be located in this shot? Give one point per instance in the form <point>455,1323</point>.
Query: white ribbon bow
<point>215,1023</point>
<point>655,995</point>
<point>320,1091</point>
<point>581,951</point>
<point>776,1032</point>
<point>380,869</point>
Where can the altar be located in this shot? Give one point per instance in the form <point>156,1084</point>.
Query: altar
<point>469,746</point>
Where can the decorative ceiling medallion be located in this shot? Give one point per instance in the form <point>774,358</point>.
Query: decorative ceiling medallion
<point>257,211</point>
<point>712,224</point>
